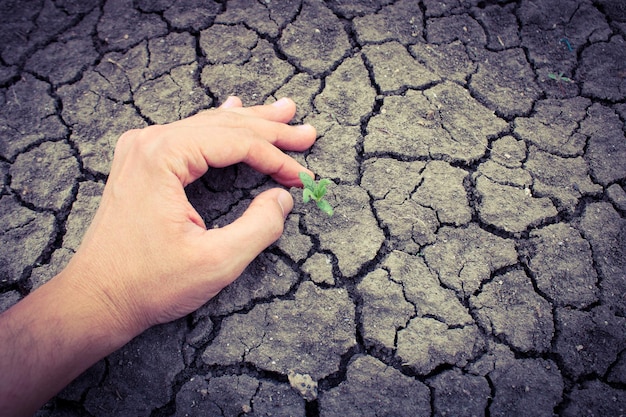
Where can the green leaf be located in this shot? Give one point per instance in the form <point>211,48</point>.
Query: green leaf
<point>320,189</point>
<point>307,195</point>
<point>323,182</point>
<point>307,181</point>
<point>325,207</point>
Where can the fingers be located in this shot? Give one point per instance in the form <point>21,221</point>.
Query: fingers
<point>259,226</point>
<point>267,122</point>
<point>281,111</point>
<point>226,136</point>
<point>231,102</point>
<point>191,158</point>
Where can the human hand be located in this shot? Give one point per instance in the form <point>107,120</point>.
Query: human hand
<point>147,256</point>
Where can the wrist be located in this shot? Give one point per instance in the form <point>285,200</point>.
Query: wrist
<point>100,304</point>
<point>48,339</point>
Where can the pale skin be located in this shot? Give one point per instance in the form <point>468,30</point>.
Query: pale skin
<point>147,257</point>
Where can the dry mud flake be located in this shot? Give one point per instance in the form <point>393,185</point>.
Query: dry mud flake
<point>307,335</point>
<point>401,21</point>
<point>606,150</point>
<point>121,25</point>
<point>266,276</point>
<point>97,121</point>
<point>235,395</point>
<point>395,69</point>
<point>292,242</point>
<point>447,29</point>
<point>465,258</point>
<point>252,81</point>
<point>374,389</point>
<point>588,342</point>
<point>500,174</point>
<point>192,15</point>
<point>228,44</point>
<point>316,40</point>
<point>525,387</point>
<point>28,116</point>
<point>390,178</point>
<point>554,126</point>
<point>423,124</point>
<point>391,183</point>
<point>602,77</point>
<point>605,229</point>
<point>510,208</point>
<point>179,96</point>
<point>319,267</point>
<point>29,24</point>
<point>442,190</point>
<point>16,21</point>
<point>266,17</point>
<point>352,8</point>
<point>427,343</point>
<point>140,375</point>
<point>500,23</point>
<point>508,152</point>
<point>595,398</point>
<point>301,88</point>
<point>411,225</point>
<point>338,140</point>
<point>384,310</point>
<point>505,82</point>
<point>61,62</point>
<point>147,61</point>
<point>421,287</point>
<point>450,61</point>
<point>45,176</point>
<point>561,262</point>
<point>459,394</point>
<point>395,131</point>
<point>348,95</point>
<point>352,233</point>
<point>509,308</point>
<point>566,180</point>
<point>24,235</point>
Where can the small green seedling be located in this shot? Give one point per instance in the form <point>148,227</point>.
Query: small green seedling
<point>316,192</point>
<point>559,77</point>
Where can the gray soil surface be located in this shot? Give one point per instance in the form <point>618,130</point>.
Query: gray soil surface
<point>476,261</point>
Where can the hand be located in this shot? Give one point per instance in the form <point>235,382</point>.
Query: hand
<point>147,252</point>
<point>147,257</point>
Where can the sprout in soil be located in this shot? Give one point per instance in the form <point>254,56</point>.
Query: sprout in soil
<point>315,191</point>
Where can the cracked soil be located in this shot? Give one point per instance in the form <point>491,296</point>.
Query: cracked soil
<point>476,261</point>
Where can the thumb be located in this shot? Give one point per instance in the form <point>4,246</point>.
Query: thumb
<point>259,226</point>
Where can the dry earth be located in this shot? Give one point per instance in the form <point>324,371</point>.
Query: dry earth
<point>475,264</point>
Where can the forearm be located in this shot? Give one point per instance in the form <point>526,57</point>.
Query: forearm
<point>47,340</point>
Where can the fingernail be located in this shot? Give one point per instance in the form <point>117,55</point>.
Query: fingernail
<point>281,103</point>
<point>305,126</point>
<point>229,101</point>
<point>285,202</point>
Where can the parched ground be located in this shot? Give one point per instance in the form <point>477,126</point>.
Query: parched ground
<point>476,261</point>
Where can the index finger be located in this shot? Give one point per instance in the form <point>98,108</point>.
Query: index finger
<point>282,110</point>
<point>264,121</point>
<point>189,151</point>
